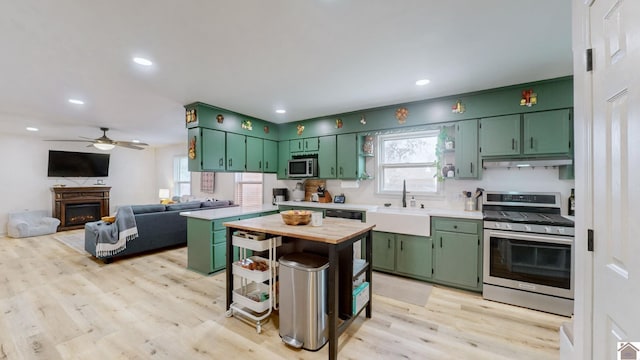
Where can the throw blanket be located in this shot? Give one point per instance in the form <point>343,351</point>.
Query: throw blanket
<point>113,239</point>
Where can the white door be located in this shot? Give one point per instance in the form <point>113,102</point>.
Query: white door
<point>615,38</point>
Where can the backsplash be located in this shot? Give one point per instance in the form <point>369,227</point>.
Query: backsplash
<point>500,179</point>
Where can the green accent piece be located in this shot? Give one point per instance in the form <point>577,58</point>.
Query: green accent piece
<point>254,154</point>
<point>270,156</point>
<point>384,251</point>
<point>500,135</point>
<point>327,157</point>
<point>467,149</point>
<point>457,255</point>
<point>283,159</point>
<point>236,152</point>
<point>547,132</point>
<point>413,255</point>
<point>348,162</point>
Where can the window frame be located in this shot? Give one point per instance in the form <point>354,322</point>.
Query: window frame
<point>381,166</point>
<point>239,181</point>
<point>177,162</point>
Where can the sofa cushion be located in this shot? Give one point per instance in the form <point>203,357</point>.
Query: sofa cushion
<point>184,206</point>
<point>143,209</point>
<point>216,203</point>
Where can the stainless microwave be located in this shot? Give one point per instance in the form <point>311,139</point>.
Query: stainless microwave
<point>303,167</point>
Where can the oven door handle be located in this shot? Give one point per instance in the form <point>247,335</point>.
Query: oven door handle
<point>529,237</point>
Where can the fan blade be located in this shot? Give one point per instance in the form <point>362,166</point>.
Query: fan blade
<point>128,145</point>
<point>74,140</point>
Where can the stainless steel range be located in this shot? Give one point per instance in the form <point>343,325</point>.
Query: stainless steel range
<point>528,251</point>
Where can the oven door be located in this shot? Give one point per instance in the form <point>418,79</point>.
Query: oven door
<point>529,262</point>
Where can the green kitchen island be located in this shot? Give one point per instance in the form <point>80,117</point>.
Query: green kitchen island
<point>336,237</point>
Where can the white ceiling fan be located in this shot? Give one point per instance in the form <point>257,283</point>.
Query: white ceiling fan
<point>105,143</point>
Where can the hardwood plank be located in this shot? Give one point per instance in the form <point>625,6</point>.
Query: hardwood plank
<point>59,304</point>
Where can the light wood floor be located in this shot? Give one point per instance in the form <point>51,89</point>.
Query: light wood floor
<point>58,304</point>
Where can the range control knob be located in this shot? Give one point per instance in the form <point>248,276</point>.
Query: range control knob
<point>507,226</point>
<point>527,227</point>
<point>560,230</point>
<point>547,229</point>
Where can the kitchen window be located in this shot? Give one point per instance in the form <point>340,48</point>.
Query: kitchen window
<point>409,157</point>
<point>248,189</point>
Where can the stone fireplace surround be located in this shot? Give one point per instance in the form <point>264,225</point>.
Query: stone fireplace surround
<point>75,206</point>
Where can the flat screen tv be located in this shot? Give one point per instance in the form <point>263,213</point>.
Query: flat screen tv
<point>77,164</point>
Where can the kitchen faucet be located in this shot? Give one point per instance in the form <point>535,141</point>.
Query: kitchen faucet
<point>404,193</point>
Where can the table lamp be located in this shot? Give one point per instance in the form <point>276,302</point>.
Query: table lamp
<point>164,195</point>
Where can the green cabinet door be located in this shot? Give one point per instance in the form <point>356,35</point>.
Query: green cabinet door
<point>209,149</point>
<point>254,154</point>
<point>347,156</point>
<point>500,135</point>
<point>296,145</point>
<point>327,157</point>
<point>270,156</point>
<point>199,249</point>
<point>547,132</point>
<point>467,149</point>
<point>383,249</point>
<point>310,144</point>
<point>236,152</point>
<point>219,256</point>
<point>283,159</point>
<point>456,258</point>
<point>413,255</point>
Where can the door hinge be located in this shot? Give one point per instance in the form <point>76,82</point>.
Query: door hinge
<point>590,240</point>
<point>589,55</point>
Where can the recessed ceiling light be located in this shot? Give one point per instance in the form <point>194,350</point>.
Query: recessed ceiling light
<point>281,111</point>
<point>76,101</point>
<point>142,61</point>
<point>135,141</point>
<point>32,128</point>
<point>423,82</point>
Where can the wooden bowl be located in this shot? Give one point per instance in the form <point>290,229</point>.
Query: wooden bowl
<point>296,217</point>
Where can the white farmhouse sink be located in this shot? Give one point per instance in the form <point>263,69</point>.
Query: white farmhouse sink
<point>401,220</point>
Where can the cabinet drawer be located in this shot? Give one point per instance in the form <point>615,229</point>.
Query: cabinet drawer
<point>456,226</point>
<point>220,236</point>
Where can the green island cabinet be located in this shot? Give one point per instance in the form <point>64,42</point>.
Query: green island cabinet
<point>407,255</point>
<point>207,242</point>
<point>457,252</point>
<point>532,134</point>
<point>466,152</point>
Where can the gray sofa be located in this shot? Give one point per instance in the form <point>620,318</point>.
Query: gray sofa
<point>159,226</point>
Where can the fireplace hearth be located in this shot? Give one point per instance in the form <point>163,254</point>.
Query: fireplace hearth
<point>75,206</point>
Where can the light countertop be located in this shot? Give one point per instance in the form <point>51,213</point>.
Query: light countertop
<point>214,214</point>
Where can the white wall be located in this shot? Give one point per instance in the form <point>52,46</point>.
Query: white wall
<point>538,179</point>
<point>25,184</point>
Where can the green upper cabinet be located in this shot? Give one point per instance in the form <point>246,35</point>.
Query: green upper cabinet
<point>327,157</point>
<point>270,156</point>
<point>303,145</point>
<point>467,149</point>
<point>413,255</point>
<point>283,159</point>
<point>547,132</point>
<point>500,135</point>
<point>349,164</point>
<point>208,148</point>
<point>254,154</point>
<point>236,152</point>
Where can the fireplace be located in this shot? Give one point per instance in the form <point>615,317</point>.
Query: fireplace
<point>79,214</point>
<point>75,206</point>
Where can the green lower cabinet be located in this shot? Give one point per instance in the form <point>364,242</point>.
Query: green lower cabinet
<point>384,251</point>
<point>413,255</point>
<point>457,253</point>
<point>407,255</point>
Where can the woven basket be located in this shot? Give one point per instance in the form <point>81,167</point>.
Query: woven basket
<point>296,217</point>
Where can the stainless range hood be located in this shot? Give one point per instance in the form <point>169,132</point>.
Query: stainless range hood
<point>524,163</point>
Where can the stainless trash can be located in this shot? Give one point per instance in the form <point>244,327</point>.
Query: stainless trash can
<point>303,300</point>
